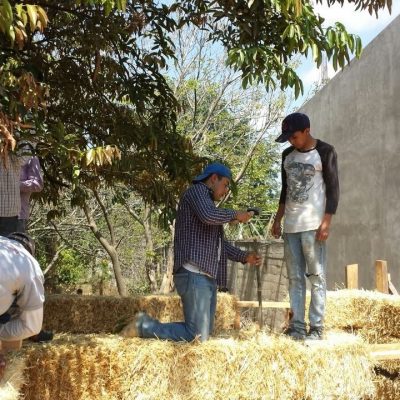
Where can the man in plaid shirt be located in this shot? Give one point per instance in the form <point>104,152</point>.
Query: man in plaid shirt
<point>200,262</point>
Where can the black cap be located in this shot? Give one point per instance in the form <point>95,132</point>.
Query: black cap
<point>291,124</point>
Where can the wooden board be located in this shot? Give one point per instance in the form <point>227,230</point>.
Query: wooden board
<point>385,351</point>
<point>265,304</point>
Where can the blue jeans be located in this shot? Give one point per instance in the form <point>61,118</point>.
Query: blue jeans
<point>199,298</point>
<point>8,225</point>
<point>306,257</point>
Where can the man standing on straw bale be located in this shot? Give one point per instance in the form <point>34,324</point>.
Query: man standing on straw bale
<point>309,198</point>
<point>200,258</point>
<point>21,293</point>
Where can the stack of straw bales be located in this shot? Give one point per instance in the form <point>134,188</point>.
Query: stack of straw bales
<point>100,314</point>
<point>376,318</point>
<point>263,367</point>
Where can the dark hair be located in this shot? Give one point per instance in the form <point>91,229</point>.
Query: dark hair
<point>23,239</point>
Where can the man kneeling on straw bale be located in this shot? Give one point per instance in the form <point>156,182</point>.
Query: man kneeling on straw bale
<point>200,259</point>
<point>21,293</point>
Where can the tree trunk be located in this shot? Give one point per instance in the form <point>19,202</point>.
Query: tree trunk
<point>151,268</point>
<point>110,248</point>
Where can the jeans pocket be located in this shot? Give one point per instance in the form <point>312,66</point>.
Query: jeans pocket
<point>181,281</point>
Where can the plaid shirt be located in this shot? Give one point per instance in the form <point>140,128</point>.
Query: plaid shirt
<point>10,198</point>
<point>199,235</point>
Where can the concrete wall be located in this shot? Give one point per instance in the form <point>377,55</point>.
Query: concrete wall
<point>358,112</point>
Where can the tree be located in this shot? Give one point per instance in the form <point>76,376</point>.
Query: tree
<point>84,79</point>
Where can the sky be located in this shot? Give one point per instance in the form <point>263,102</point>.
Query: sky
<point>358,22</point>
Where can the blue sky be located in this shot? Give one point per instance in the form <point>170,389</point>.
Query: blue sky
<point>360,23</point>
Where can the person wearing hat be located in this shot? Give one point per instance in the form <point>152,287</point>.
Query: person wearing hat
<point>309,197</point>
<point>21,293</point>
<point>200,258</point>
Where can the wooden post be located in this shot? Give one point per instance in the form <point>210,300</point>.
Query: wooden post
<point>381,276</point>
<point>352,276</point>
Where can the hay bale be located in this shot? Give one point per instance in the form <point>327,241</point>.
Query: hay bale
<point>13,379</point>
<point>100,314</point>
<point>372,315</point>
<point>264,367</point>
<point>387,380</point>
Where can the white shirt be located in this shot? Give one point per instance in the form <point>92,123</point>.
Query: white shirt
<point>22,279</point>
<point>305,198</point>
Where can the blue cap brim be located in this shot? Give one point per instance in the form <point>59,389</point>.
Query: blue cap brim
<point>200,177</point>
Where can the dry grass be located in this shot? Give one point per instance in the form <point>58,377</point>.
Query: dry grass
<point>264,367</point>
<point>100,314</point>
<point>13,379</point>
<point>372,315</point>
<point>387,381</point>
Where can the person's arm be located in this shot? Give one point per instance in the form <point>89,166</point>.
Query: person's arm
<point>34,181</point>
<point>276,229</point>
<point>331,179</point>
<point>236,254</point>
<point>27,324</point>
<point>205,209</point>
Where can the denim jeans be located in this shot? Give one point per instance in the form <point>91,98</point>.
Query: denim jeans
<point>199,298</point>
<point>8,225</point>
<point>306,257</point>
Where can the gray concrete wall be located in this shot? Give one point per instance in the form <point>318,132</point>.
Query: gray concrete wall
<point>358,112</point>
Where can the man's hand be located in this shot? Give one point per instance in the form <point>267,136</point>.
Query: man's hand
<point>253,259</point>
<point>276,229</point>
<point>2,365</point>
<point>244,216</point>
<point>323,230</point>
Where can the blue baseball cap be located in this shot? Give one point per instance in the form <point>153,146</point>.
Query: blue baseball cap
<point>291,124</point>
<point>214,168</point>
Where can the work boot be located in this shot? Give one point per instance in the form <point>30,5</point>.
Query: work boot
<point>295,334</point>
<point>42,336</point>
<point>134,328</point>
<point>315,333</point>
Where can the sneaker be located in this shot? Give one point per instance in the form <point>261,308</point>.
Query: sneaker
<point>42,336</point>
<point>295,334</point>
<point>315,333</point>
<point>134,328</point>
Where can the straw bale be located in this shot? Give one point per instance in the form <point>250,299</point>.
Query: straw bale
<point>387,380</point>
<point>263,367</point>
<point>101,314</point>
<point>13,378</point>
<point>372,315</point>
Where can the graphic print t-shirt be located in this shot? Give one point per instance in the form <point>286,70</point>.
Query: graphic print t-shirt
<point>309,186</point>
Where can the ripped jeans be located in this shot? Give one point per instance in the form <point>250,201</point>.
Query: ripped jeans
<point>306,257</point>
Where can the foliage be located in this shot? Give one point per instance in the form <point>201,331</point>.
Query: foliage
<point>70,268</point>
<point>87,76</point>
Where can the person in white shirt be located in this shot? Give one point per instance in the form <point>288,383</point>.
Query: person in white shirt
<point>309,198</point>
<point>21,291</point>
